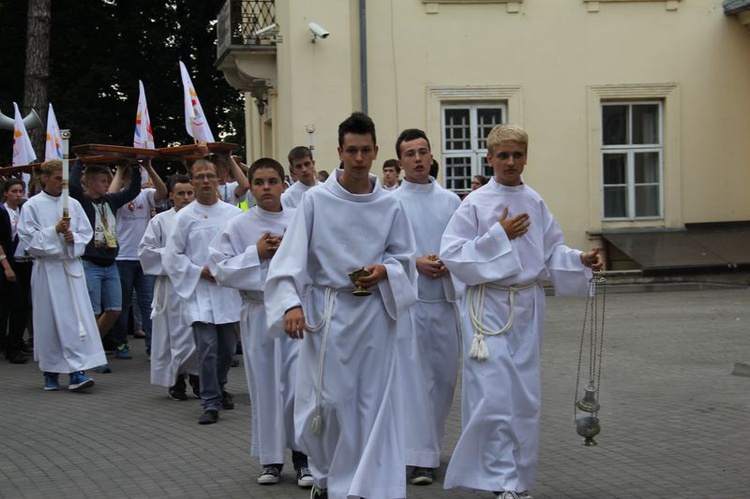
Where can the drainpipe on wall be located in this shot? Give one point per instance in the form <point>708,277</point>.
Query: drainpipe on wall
<point>363,55</point>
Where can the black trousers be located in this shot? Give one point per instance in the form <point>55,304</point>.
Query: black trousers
<point>18,295</point>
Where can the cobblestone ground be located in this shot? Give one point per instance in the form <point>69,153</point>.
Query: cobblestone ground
<point>675,422</point>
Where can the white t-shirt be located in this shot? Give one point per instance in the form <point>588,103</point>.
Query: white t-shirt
<point>228,193</point>
<point>132,221</point>
<point>14,216</point>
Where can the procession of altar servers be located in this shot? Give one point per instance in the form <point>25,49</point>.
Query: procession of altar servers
<point>408,376</point>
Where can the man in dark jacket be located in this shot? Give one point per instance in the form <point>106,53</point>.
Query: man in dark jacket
<point>15,278</point>
<point>102,277</point>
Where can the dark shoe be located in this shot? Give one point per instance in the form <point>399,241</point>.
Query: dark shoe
<point>227,401</point>
<point>318,493</point>
<point>177,391</point>
<point>235,362</point>
<point>51,381</point>
<point>506,494</point>
<point>176,394</point>
<point>421,476</point>
<point>16,357</point>
<point>28,347</point>
<point>123,352</point>
<point>304,477</point>
<point>269,475</point>
<point>209,417</point>
<point>108,343</point>
<point>195,384</point>
<point>102,369</point>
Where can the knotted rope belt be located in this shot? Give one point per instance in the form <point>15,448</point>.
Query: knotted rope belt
<point>70,274</point>
<point>479,350</point>
<point>325,322</point>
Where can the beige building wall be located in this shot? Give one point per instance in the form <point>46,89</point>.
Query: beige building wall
<point>551,62</point>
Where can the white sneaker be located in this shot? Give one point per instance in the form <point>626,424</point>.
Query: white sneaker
<point>305,478</point>
<point>269,476</point>
<point>421,476</point>
<point>507,494</point>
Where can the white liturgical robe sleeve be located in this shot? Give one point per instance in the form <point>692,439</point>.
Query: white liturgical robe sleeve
<point>152,247</point>
<point>475,257</point>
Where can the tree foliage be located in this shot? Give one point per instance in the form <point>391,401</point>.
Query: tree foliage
<point>100,49</point>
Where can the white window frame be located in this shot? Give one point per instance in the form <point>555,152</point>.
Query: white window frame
<point>630,151</point>
<point>475,153</point>
<point>669,94</point>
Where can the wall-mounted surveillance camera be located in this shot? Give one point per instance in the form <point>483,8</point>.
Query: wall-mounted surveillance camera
<point>267,31</point>
<point>317,31</point>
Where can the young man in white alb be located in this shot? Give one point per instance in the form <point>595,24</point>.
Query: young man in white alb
<point>302,170</point>
<point>239,258</point>
<point>172,344</point>
<point>502,242</point>
<point>66,338</point>
<point>347,403</point>
<point>210,309</point>
<point>431,339</point>
<point>391,173</point>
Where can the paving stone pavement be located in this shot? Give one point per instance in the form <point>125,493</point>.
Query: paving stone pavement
<point>675,422</point>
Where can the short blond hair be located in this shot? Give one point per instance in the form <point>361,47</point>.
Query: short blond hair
<point>502,133</point>
<point>50,166</point>
<point>202,164</point>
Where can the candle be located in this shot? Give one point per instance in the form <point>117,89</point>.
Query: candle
<point>65,134</point>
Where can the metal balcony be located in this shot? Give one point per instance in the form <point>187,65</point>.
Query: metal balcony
<point>247,60</point>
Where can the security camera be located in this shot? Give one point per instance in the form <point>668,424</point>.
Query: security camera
<point>317,31</point>
<point>267,31</point>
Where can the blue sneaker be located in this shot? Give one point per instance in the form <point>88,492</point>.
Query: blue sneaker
<point>79,381</point>
<point>51,381</point>
<point>123,352</point>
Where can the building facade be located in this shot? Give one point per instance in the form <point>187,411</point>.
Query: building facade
<point>638,111</point>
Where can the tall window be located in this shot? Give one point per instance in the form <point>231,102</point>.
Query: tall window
<point>465,129</point>
<point>632,152</point>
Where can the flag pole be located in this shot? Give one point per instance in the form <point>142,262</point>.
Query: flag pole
<point>65,135</point>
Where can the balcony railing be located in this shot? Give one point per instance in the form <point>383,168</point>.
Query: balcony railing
<point>238,21</point>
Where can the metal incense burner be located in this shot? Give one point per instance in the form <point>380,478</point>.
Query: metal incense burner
<point>588,426</point>
<point>587,422</point>
<point>354,276</point>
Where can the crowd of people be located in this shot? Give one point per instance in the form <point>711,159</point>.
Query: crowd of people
<point>355,302</point>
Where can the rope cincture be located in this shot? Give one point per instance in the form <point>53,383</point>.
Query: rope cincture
<point>160,291</point>
<point>70,275</point>
<point>316,427</point>
<point>479,350</point>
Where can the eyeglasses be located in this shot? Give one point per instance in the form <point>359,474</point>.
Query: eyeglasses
<point>204,176</point>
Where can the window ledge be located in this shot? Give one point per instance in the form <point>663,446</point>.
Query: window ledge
<point>593,5</point>
<point>512,6</point>
<point>478,1</point>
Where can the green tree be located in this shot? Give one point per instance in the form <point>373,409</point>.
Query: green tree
<point>98,52</point>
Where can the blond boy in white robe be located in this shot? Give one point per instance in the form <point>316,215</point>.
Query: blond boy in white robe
<point>66,336</point>
<point>502,242</point>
